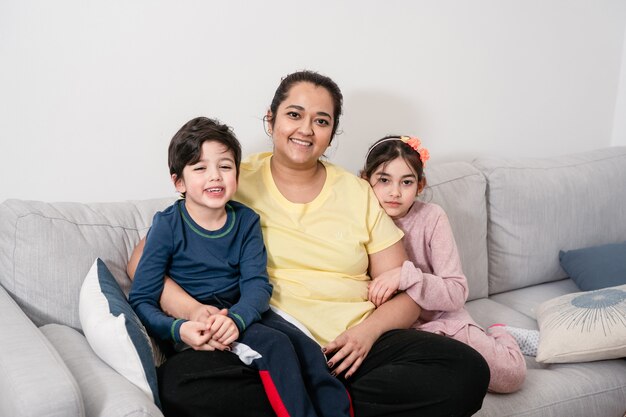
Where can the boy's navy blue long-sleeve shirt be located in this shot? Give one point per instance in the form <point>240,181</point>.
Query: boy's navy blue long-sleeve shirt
<point>229,264</point>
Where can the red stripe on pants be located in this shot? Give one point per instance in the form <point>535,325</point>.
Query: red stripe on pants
<point>272,394</point>
<point>350,399</point>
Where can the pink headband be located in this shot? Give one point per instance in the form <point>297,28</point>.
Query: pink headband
<point>412,141</point>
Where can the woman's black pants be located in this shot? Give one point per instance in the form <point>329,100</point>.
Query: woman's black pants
<point>406,373</point>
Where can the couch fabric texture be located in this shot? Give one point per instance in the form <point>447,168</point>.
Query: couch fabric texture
<point>510,217</point>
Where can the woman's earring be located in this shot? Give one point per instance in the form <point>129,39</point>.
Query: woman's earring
<point>268,130</point>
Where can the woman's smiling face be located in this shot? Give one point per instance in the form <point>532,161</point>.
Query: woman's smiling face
<point>302,126</point>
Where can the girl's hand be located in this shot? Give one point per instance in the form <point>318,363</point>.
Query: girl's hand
<point>223,329</point>
<point>196,334</point>
<point>384,286</point>
<point>349,349</point>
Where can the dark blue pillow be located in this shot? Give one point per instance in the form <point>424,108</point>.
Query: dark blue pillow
<point>114,331</point>
<point>596,267</point>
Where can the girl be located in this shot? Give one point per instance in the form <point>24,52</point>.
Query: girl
<point>394,167</point>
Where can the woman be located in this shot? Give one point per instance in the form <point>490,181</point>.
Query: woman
<point>325,236</point>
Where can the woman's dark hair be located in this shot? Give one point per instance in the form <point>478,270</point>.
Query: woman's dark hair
<point>387,149</point>
<point>316,79</point>
<point>186,145</point>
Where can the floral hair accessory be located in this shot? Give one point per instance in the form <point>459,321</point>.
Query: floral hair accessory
<point>412,141</point>
<point>416,144</point>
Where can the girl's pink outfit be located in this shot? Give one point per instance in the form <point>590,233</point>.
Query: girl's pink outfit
<point>434,280</point>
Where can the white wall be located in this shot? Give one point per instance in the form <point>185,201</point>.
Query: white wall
<point>619,120</point>
<point>92,91</point>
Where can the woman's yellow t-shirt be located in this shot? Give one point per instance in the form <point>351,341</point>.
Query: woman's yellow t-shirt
<point>318,251</point>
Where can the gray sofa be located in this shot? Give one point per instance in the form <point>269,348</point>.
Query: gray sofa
<point>510,218</point>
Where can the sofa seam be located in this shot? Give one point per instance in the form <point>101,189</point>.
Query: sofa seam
<point>114,226</point>
<point>580,397</point>
<point>476,174</point>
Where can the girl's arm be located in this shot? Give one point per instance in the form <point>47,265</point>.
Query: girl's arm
<point>351,347</point>
<point>445,289</point>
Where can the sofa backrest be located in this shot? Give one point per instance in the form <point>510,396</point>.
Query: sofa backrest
<point>47,249</point>
<point>459,188</point>
<point>537,207</point>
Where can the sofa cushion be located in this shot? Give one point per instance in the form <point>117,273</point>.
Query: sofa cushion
<point>105,392</point>
<point>34,380</point>
<point>583,326</point>
<point>596,267</point>
<point>527,300</point>
<point>572,390</point>
<point>459,189</point>
<point>486,312</point>
<point>537,207</point>
<point>47,248</point>
<point>114,331</point>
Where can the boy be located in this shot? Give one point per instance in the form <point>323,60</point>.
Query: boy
<point>213,249</point>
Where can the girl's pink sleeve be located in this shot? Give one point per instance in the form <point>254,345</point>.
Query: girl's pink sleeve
<point>445,289</point>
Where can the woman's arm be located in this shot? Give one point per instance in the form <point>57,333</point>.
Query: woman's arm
<point>352,346</point>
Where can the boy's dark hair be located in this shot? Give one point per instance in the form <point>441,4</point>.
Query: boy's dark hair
<point>186,145</point>
<point>317,80</point>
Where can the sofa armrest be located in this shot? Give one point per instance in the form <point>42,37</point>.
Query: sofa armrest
<point>34,380</point>
<point>105,392</point>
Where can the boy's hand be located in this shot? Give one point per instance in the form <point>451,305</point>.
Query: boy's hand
<point>205,314</point>
<point>223,329</point>
<point>384,286</point>
<point>196,334</point>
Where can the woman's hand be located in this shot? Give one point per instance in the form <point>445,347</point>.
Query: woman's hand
<point>384,286</point>
<point>349,349</point>
<point>202,312</point>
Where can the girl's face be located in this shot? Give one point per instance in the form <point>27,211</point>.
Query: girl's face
<point>396,186</point>
<point>211,182</point>
<point>303,125</point>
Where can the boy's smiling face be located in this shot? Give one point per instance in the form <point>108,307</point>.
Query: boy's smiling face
<point>211,182</point>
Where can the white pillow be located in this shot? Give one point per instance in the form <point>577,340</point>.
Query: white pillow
<point>114,331</point>
<point>583,326</point>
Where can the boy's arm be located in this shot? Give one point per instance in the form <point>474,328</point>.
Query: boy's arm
<point>174,300</point>
<point>148,283</point>
<point>254,283</point>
